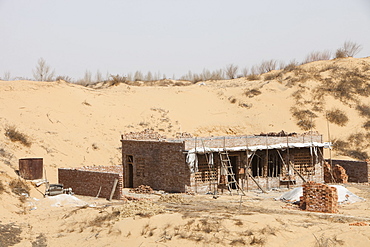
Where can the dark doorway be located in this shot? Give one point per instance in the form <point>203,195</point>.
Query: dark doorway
<point>130,176</point>
<point>234,165</point>
<point>257,166</point>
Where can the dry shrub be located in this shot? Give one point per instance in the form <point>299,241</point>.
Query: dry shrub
<point>2,187</point>
<point>273,75</point>
<point>103,219</point>
<point>317,56</point>
<point>337,116</point>
<point>252,92</point>
<point>293,65</point>
<point>232,100</point>
<point>366,125</point>
<point>253,77</point>
<point>10,234</point>
<point>238,242</point>
<point>304,118</point>
<point>15,136</point>
<point>363,110</point>
<point>19,187</point>
<point>40,241</point>
<point>257,241</point>
<point>353,147</point>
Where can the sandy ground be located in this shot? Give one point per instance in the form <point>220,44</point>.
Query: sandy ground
<point>255,219</point>
<point>70,126</point>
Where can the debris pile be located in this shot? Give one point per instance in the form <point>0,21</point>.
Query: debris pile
<point>142,189</point>
<point>319,198</point>
<point>281,133</point>
<point>335,174</point>
<point>359,224</point>
<point>147,134</point>
<point>180,135</point>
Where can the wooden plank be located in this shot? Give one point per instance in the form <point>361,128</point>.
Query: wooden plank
<point>113,189</point>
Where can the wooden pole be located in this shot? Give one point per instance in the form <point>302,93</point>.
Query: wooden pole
<point>113,189</point>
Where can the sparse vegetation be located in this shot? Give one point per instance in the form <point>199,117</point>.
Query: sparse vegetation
<point>337,116</point>
<point>349,49</point>
<point>19,187</point>
<point>15,136</point>
<point>317,56</point>
<point>43,71</point>
<point>253,77</point>
<point>304,118</point>
<point>2,187</point>
<point>252,92</point>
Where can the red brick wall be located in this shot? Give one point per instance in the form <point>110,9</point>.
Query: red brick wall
<point>357,171</point>
<point>319,198</point>
<point>87,183</point>
<point>159,164</point>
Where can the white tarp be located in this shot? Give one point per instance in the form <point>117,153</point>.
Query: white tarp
<point>344,195</point>
<point>262,147</point>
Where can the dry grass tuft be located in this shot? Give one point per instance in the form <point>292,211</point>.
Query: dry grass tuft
<point>19,187</point>
<point>10,234</point>
<point>238,242</point>
<point>257,241</point>
<point>304,118</point>
<point>366,125</point>
<point>253,77</point>
<point>252,92</point>
<point>337,116</point>
<point>2,187</point>
<point>363,110</point>
<point>15,136</point>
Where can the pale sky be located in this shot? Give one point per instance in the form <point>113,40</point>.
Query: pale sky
<point>172,36</point>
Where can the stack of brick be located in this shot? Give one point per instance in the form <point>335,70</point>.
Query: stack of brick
<point>142,189</point>
<point>319,197</point>
<point>147,134</point>
<point>337,174</point>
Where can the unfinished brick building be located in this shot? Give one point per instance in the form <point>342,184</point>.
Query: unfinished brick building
<point>196,164</point>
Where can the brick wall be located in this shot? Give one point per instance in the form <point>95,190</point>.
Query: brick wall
<point>357,171</point>
<point>88,183</point>
<point>161,165</point>
<point>319,197</point>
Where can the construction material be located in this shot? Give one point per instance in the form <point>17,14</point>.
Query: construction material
<point>319,197</point>
<point>31,168</point>
<point>335,174</point>
<point>142,189</point>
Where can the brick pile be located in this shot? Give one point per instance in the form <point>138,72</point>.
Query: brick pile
<point>142,189</point>
<point>337,174</point>
<point>319,197</point>
<point>147,134</point>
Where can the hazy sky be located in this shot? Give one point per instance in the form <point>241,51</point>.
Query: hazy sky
<point>172,36</point>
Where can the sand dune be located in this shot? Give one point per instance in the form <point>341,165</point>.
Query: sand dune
<point>70,125</point>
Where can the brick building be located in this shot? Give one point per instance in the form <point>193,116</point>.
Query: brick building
<point>195,164</point>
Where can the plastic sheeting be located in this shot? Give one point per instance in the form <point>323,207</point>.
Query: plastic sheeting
<point>344,195</point>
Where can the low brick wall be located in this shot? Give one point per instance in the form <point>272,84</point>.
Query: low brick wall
<point>319,198</point>
<point>88,183</point>
<point>357,171</point>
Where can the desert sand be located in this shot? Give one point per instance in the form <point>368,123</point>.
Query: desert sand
<point>71,126</point>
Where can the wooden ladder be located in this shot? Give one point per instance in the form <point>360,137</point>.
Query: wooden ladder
<point>227,167</point>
